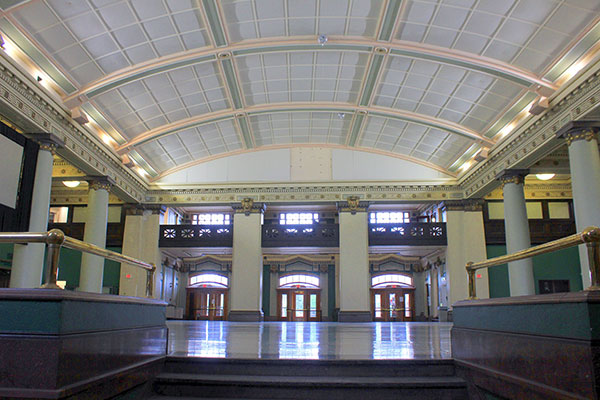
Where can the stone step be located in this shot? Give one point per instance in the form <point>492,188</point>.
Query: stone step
<point>330,368</point>
<point>304,387</point>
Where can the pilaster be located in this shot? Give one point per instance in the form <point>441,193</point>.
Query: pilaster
<point>355,303</point>
<point>28,260</point>
<point>520,273</point>
<point>247,262</point>
<point>584,162</point>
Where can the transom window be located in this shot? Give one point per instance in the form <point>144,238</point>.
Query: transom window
<point>386,280</point>
<point>210,280</point>
<point>211,219</point>
<point>298,218</point>
<point>305,281</point>
<point>386,217</point>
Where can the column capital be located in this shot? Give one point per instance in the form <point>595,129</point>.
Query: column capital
<point>139,209</point>
<point>247,206</point>
<point>516,176</point>
<point>464,205</point>
<point>579,130</point>
<point>48,141</point>
<point>100,182</point>
<point>352,205</point>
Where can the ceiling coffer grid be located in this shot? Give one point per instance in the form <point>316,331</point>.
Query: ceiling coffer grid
<point>150,64</point>
<point>91,39</point>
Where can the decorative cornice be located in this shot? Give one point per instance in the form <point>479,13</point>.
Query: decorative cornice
<point>464,205</point>
<point>305,193</point>
<point>535,140</point>
<point>47,141</point>
<point>140,209</point>
<point>247,206</point>
<point>33,110</point>
<point>586,134</point>
<point>516,176</point>
<point>352,205</point>
<point>100,182</point>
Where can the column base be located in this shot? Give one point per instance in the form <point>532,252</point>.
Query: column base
<point>355,316</point>
<point>246,316</point>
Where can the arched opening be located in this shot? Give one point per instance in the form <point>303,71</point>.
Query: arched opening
<point>299,298</point>
<point>207,296</point>
<point>392,297</point>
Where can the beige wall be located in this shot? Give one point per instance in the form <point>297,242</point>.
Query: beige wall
<point>354,262</point>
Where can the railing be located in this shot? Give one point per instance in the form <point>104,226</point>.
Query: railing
<point>314,235</point>
<point>196,236</point>
<point>55,239</point>
<point>414,233</point>
<point>590,236</point>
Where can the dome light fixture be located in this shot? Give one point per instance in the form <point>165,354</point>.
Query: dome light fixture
<point>544,177</point>
<point>322,39</point>
<point>71,184</point>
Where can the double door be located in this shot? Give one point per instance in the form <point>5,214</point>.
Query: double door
<point>206,303</point>
<point>299,304</point>
<point>392,304</point>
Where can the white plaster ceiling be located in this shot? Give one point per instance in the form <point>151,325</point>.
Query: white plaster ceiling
<point>179,82</point>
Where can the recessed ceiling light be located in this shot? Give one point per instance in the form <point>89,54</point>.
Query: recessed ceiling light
<point>71,184</point>
<point>544,177</point>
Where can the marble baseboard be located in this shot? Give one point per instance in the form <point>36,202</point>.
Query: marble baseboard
<point>245,316</point>
<point>355,316</point>
<point>65,363</point>
<point>526,366</point>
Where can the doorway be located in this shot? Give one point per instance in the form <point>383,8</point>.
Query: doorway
<point>207,297</point>
<point>299,304</point>
<point>392,304</point>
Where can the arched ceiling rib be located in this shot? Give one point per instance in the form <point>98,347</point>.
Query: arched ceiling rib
<point>430,53</point>
<point>320,145</point>
<point>272,108</point>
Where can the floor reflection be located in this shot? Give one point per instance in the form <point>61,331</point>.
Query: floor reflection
<point>310,340</point>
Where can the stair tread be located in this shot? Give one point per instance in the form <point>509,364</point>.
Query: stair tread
<point>312,380</point>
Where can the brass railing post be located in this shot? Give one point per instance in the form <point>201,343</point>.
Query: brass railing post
<point>54,240</point>
<point>150,281</point>
<point>591,237</point>
<point>472,287</point>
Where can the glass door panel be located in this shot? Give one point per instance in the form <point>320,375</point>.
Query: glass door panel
<point>377,305</point>
<point>299,306</point>
<point>284,305</point>
<point>313,306</point>
<point>392,305</point>
<point>407,310</point>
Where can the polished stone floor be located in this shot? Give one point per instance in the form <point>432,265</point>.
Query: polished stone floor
<point>310,340</point>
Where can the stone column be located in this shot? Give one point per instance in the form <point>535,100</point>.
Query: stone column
<point>140,240</point>
<point>92,267</point>
<point>355,304</point>
<point>28,260</point>
<point>247,267</point>
<point>516,230</point>
<point>584,161</point>
<point>466,242</point>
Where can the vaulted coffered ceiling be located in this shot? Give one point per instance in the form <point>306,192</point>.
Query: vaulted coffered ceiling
<point>174,83</point>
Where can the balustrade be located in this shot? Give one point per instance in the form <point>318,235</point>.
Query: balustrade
<point>196,236</point>
<point>415,234</point>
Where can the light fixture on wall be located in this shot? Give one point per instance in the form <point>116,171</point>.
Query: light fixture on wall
<point>71,184</point>
<point>544,177</point>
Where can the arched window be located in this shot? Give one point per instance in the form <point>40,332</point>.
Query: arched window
<point>391,280</point>
<point>210,280</point>
<point>299,280</point>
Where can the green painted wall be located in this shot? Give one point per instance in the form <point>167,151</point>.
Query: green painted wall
<point>6,254</point>
<point>562,264</point>
<point>266,290</point>
<point>69,267</point>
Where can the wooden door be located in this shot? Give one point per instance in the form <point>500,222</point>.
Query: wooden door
<point>207,303</point>
<point>392,304</point>
<point>299,304</point>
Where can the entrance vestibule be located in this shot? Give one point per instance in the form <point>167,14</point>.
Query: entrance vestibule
<point>207,297</point>
<point>299,298</point>
<point>392,298</point>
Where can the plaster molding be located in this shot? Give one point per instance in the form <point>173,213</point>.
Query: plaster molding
<point>28,107</point>
<point>536,139</point>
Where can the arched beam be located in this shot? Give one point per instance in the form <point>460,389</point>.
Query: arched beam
<point>461,59</point>
<point>291,145</point>
<point>406,116</point>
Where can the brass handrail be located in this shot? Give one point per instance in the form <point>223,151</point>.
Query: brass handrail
<point>590,236</point>
<point>55,239</point>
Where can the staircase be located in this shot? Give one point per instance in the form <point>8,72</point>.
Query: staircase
<point>206,378</point>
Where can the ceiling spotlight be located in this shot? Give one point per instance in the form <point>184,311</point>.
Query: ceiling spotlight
<point>322,39</point>
<point>341,115</point>
<point>71,184</point>
<point>1,42</point>
<point>544,177</point>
